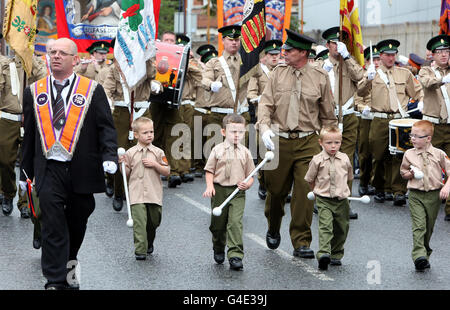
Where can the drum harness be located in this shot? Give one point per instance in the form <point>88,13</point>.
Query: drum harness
<point>240,109</point>
<point>385,79</point>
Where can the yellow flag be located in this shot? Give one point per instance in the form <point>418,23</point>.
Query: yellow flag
<point>19,29</point>
<point>351,29</point>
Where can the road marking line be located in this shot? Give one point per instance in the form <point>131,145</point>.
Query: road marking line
<point>313,271</point>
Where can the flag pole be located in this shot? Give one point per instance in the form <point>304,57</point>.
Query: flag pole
<point>208,11</point>
<point>341,64</point>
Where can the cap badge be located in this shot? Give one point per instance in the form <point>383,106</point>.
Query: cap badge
<point>390,45</point>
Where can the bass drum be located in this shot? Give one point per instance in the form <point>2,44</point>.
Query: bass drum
<point>171,68</point>
<point>399,130</point>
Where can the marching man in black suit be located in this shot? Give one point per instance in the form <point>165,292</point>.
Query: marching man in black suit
<point>69,142</point>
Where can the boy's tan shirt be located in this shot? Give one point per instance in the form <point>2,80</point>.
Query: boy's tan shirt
<point>319,173</point>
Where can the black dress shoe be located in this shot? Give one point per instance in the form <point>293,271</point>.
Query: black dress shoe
<point>37,243</point>
<point>117,203</point>
<point>447,217</point>
<point>399,200</point>
<point>140,256</point>
<point>352,215</point>
<point>219,257</point>
<point>262,193</point>
<point>324,261</point>
<point>421,263</point>
<point>109,190</point>
<point>236,263</point>
<point>304,252</point>
<point>198,174</point>
<point>388,196</point>
<point>55,286</point>
<point>174,180</point>
<point>335,262</point>
<point>273,240</point>
<point>7,206</point>
<point>187,177</point>
<point>370,190</point>
<point>362,190</point>
<point>163,178</point>
<point>25,213</point>
<point>150,249</point>
<point>288,198</point>
<point>379,197</point>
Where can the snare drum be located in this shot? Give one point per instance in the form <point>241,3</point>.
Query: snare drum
<point>399,130</point>
<point>171,68</point>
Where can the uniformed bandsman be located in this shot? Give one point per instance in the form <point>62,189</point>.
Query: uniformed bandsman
<point>390,88</point>
<point>295,103</point>
<point>90,68</point>
<point>436,109</point>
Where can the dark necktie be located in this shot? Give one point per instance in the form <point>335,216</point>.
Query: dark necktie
<point>59,115</point>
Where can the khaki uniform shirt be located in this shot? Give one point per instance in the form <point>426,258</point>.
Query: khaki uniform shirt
<point>144,184</point>
<point>315,106</point>
<point>405,86</point>
<point>362,102</point>
<point>319,173</point>
<point>91,70</point>
<point>352,73</point>
<point>113,86</point>
<point>229,163</point>
<point>257,83</point>
<point>193,78</point>
<point>437,160</point>
<point>433,100</point>
<point>13,103</point>
<point>214,72</point>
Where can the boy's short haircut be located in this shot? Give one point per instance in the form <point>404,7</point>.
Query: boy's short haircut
<point>426,126</point>
<point>232,118</point>
<point>329,129</point>
<point>136,125</point>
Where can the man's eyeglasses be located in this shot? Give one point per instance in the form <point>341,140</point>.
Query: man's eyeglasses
<point>442,52</point>
<point>417,137</point>
<point>62,53</point>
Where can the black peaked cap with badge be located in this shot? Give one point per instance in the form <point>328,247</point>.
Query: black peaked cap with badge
<point>322,55</point>
<point>331,34</point>
<point>205,48</point>
<point>182,39</point>
<point>438,42</point>
<point>230,31</point>
<point>389,46</point>
<point>208,56</point>
<point>99,46</point>
<point>375,52</point>
<point>273,46</point>
<point>297,40</point>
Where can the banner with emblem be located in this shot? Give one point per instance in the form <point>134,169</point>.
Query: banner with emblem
<point>351,29</point>
<point>444,20</point>
<point>277,15</point>
<point>253,32</point>
<point>135,40</point>
<point>87,21</point>
<point>19,29</point>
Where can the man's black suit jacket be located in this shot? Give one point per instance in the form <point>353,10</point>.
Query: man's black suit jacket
<point>97,143</point>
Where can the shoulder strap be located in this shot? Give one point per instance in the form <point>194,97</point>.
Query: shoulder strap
<point>444,94</point>
<point>385,79</point>
<point>228,76</point>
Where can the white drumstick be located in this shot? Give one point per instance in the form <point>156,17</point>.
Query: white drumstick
<point>418,174</point>
<point>364,199</point>
<point>267,157</point>
<point>121,152</point>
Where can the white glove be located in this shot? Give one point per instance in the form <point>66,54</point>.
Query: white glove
<point>156,88</point>
<point>403,60</point>
<point>267,139</point>
<point>256,100</point>
<point>420,106</point>
<point>215,86</point>
<point>327,65</point>
<point>109,167</point>
<point>371,72</point>
<point>342,49</point>
<point>23,186</point>
<point>446,79</point>
<point>366,111</point>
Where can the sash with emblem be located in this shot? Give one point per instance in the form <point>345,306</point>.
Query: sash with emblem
<point>79,101</point>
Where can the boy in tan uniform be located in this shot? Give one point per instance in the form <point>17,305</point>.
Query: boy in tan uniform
<point>228,165</point>
<point>144,163</point>
<point>328,175</point>
<point>426,193</point>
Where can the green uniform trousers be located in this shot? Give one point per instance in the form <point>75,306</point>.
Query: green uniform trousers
<point>379,142</point>
<point>293,160</point>
<point>146,219</point>
<point>424,209</point>
<point>333,226</point>
<point>9,146</point>
<point>349,139</point>
<point>227,229</point>
<point>441,140</point>
<point>364,153</point>
<point>187,113</point>
<point>121,117</point>
<point>200,122</point>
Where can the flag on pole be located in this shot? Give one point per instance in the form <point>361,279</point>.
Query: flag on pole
<point>444,21</point>
<point>19,30</point>
<point>253,32</point>
<point>135,40</point>
<point>351,28</point>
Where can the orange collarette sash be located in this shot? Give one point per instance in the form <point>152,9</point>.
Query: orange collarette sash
<point>79,101</point>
